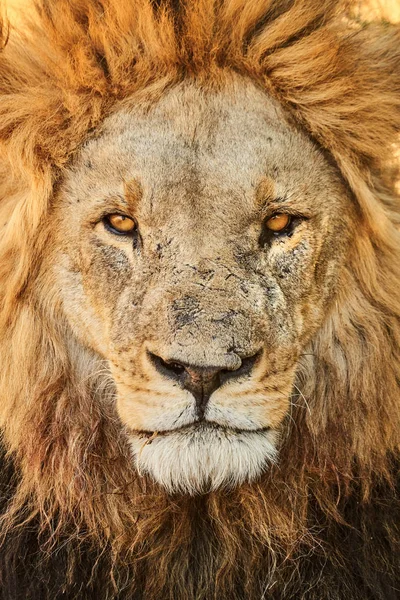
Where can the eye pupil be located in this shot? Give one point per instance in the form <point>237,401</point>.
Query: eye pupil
<point>120,223</point>
<point>278,222</point>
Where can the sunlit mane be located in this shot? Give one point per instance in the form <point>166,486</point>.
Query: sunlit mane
<point>74,64</point>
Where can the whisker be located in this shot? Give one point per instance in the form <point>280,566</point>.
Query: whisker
<point>304,398</point>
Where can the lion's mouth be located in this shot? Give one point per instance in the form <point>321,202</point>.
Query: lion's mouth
<point>205,426</point>
<point>203,456</point>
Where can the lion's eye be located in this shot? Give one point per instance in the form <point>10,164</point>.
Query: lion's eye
<point>278,223</point>
<point>120,224</point>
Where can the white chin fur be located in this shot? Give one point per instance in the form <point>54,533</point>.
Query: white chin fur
<point>203,458</point>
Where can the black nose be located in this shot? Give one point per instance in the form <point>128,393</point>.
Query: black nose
<point>201,381</point>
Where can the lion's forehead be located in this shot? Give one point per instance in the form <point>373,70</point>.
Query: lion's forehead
<point>200,144</point>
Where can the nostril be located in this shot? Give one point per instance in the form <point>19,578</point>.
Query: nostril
<point>249,363</point>
<point>171,369</point>
<point>246,367</point>
<point>175,367</point>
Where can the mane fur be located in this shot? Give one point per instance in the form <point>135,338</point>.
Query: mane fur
<point>70,481</point>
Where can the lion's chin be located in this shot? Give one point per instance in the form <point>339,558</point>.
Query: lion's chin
<point>202,458</point>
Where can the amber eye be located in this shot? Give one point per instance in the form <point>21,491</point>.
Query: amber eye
<point>120,224</point>
<point>278,223</point>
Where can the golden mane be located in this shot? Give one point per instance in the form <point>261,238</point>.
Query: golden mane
<point>338,80</point>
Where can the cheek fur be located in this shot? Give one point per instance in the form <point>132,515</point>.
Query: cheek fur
<point>290,265</point>
<point>106,273</point>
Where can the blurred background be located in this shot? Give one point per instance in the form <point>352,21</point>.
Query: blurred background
<point>384,9</point>
<point>366,9</point>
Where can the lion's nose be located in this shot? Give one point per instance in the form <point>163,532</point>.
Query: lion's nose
<point>201,381</point>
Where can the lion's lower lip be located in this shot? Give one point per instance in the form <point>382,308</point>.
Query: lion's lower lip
<point>209,425</point>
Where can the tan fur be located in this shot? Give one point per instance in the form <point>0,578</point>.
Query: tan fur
<point>69,85</point>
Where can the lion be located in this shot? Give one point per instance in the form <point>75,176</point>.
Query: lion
<point>200,311</point>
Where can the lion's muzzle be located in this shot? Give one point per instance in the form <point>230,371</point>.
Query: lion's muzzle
<point>202,381</point>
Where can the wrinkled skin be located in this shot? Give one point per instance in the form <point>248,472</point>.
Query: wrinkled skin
<point>201,286</point>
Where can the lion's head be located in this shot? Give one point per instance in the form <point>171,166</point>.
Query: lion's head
<point>199,264</point>
<point>195,246</point>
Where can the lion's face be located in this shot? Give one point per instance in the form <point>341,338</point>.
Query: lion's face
<point>204,296</point>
